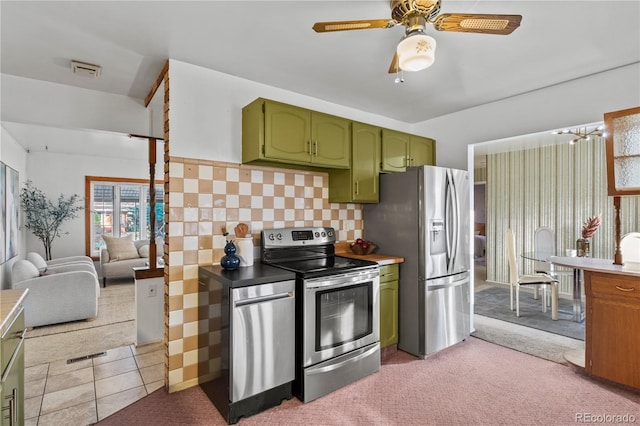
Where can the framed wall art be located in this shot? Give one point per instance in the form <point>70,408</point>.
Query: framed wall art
<point>12,212</point>
<point>3,204</point>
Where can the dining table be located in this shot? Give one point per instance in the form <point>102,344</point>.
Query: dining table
<point>554,260</point>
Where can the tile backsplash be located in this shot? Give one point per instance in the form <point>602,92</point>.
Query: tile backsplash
<point>205,198</point>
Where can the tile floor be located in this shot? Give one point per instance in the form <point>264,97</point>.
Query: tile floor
<point>84,392</point>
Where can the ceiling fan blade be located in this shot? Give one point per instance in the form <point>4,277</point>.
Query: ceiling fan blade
<point>325,27</point>
<point>395,65</point>
<point>477,23</point>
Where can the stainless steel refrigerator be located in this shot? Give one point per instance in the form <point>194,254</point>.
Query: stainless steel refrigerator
<point>423,216</point>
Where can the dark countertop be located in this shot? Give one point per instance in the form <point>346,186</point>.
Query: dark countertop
<point>258,273</point>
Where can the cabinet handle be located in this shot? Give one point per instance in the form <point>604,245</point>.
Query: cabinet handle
<point>625,289</point>
<point>315,148</point>
<point>13,418</point>
<point>13,411</point>
<point>357,188</point>
<point>309,146</point>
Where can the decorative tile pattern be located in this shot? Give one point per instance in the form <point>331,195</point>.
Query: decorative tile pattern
<point>206,198</point>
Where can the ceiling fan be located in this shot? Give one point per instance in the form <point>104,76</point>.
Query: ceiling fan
<point>416,50</point>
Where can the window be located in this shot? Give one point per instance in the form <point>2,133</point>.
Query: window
<point>119,207</point>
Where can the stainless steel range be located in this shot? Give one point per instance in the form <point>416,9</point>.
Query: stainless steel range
<point>337,309</point>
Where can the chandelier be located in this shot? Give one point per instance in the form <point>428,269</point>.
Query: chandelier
<point>581,133</point>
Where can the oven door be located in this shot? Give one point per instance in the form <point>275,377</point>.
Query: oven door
<point>341,314</point>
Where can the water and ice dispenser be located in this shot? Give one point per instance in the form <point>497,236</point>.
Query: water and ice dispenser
<point>438,236</point>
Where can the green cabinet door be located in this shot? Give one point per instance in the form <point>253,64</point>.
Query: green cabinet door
<point>389,305</point>
<point>12,390</point>
<point>360,182</point>
<point>330,140</point>
<point>395,151</point>
<point>366,162</point>
<point>422,151</point>
<point>287,132</point>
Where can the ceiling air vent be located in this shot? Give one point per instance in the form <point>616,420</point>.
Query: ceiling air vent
<point>87,70</point>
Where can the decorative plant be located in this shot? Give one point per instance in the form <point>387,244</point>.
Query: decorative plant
<point>590,226</point>
<point>44,218</point>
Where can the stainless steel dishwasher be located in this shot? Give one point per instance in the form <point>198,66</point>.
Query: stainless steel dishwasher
<point>262,337</point>
<point>250,364</point>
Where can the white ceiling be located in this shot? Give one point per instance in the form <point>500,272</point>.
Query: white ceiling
<point>272,42</point>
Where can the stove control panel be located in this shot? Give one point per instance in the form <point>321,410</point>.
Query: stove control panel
<point>294,237</point>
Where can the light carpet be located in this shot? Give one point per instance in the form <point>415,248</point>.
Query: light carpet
<point>114,327</point>
<point>528,340</point>
<point>471,383</point>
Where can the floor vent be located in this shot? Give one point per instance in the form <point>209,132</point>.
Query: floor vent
<point>82,358</point>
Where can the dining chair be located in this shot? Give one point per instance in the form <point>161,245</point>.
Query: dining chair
<point>630,247</point>
<point>544,244</point>
<point>539,279</point>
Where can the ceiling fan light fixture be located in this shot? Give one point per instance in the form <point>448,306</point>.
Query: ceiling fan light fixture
<point>416,51</point>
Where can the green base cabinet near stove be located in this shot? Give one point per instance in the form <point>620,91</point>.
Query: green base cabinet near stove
<point>12,372</point>
<point>389,276</point>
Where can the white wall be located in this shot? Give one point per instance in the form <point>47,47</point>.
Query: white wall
<point>57,174</point>
<point>569,104</point>
<point>206,111</point>
<point>14,156</point>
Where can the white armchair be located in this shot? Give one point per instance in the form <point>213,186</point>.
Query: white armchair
<point>57,296</point>
<point>82,263</point>
<point>40,263</point>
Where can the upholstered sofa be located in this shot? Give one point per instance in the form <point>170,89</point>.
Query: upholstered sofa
<point>122,255</point>
<point>65,293</point>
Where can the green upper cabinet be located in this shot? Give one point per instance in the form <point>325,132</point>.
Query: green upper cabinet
<point>422,151</point>
<point>277,132</point>
<point>330,140</point>
<point>360,182</point>
<point>402,150</point>
<point>287,132</point>
<point>395,151</point>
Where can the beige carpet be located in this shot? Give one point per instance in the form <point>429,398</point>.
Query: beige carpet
<point>472,383</point>
<point>114,327</point>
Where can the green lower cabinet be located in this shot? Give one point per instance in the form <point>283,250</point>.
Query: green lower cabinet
<point>12,373</point>
<point>389,305</point>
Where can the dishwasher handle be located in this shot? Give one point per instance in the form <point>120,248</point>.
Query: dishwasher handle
<point>263,299</point>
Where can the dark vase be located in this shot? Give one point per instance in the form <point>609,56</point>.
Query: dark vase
<point>582,247</point>
<point>230,261</point>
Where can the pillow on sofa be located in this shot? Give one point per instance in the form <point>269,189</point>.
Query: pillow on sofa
<point>120,248</point>
<point>37,260</point>
<point>144,251</point>
<point>23,270</point>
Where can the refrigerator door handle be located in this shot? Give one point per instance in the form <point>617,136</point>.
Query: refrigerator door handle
<point>456,221</point>
<point>447,216</point>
